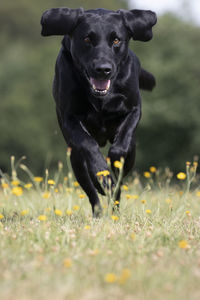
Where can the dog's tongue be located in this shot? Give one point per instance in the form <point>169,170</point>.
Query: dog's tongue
<point>100,85</point>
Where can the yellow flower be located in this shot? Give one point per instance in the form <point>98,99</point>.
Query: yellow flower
<point>103,173</point>
<point>147,174</point>
<point>188,213</point>
<point>87,227</point>
<point>46,195</point>
<point>1,216</point>
<point>195,164</point>
<point>51,182</point>
<point>38,179</point>
<point>48,209</point>
<point>188,163</point>
<point>56,190</point>
<point>110,278</point>
<point>168,200</point>
<point>125,187</point>
<point>143,201</point>
<point>133,236</point>
<point>125,275</point>
<point>65,178</point>
<point>15,182</point>
<point>116,203</point>
<point>69,190</point>
<point>76,207</point>
<point>58,212</point>
<point>24,212</point>
<point>67,263</point>
<point>17,191</point>
<point>76,184</point>
<point>114,218</point>
<point>153,169</point>
<point>4,185</point>
<point>42,218</point>
<point>118,164</point>
<point>183,244</point>
<point>28,185</point>
<point>148,211</point>
<point>181,176</point>
<point>128,196</point>
<point>198,193</point>
<point>81,196</point>
<point>68,212</point>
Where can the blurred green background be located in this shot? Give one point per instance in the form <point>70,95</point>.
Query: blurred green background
<point>168,134</point>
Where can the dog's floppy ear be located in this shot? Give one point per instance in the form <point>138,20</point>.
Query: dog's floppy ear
<point>139,23</point>
<point>60,21</point>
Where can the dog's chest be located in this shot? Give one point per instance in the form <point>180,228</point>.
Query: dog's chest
<point>101,127</point>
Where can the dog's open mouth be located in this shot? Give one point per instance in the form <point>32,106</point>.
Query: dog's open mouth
<point>100,87</point>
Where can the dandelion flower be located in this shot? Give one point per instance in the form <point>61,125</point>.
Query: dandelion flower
<point>76,184</point>
<point>1,216</point>
<point>24,212</point>
<point>4,185</point>
<point>110,278</point>
<point>118,164</point>
<point>69,190</point>
<point>51,182</point>
<point>133,236</point>
<point>116,202</point>
<point>58,212</point>
<point>114,218</point>
<point>87,227</point>
<point>15,182</point>
<point>168,200</point>
<point>67,263</point>
<point>181,176</point>
<point>153,169</point>
<point>148,211</point>
<point>147,174</point>
<point>76,207</point>
<point>183,244</point>
<point>56,190</point>
<point>38,179</point>
<point>42,218</point>
<point>103,173</point>
<point>125,275</point>
<point>68,212</point>
<point>17,191</point>
<point>81,196</point>
<point>46,195</point>
<point>28,185</point>
<point>198,193</point>
<point>125,187</point>
<point>188,213</point>
<point>143,201</point>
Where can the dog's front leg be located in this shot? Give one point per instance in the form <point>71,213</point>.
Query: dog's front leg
<point>86,158</point>
<point>124,142</point>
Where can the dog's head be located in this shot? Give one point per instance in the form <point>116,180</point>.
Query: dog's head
<point>99,39</point>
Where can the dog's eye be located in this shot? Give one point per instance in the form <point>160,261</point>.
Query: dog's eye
<point>116,41</point>
<point>87,40</point>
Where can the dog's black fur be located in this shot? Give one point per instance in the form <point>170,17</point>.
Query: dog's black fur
<point>96,86</point>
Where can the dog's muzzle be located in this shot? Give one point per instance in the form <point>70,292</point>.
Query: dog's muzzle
<point>100,87</point>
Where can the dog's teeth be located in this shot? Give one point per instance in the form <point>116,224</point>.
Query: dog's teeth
<point>108,86</point>
<point>94,87</point>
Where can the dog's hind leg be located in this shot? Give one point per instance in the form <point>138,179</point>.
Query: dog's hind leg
<point>81,172</point>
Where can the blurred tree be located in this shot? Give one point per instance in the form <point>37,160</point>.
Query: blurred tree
<point>169,130</point>
<point>168,133</point>
<point>28,123</point>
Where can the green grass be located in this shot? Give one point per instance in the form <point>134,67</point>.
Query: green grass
<point>73,256</point>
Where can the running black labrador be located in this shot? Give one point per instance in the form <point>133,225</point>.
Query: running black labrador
<point>96,86</point>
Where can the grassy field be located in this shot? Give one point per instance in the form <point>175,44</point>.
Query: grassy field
<point>52,248</point>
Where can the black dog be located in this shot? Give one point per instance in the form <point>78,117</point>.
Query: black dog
<point>96,86</point>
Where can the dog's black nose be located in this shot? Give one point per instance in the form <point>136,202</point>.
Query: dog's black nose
<point>103,69</point>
